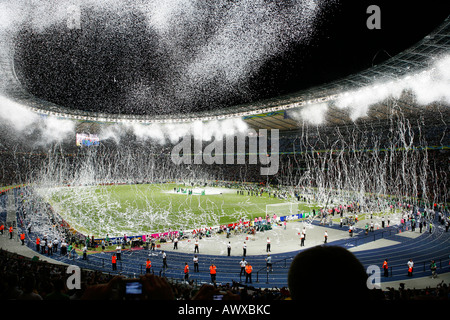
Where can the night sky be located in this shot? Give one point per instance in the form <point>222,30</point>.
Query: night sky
<point>117,64</point>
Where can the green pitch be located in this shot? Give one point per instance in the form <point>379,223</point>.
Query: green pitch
<point>151,208</point>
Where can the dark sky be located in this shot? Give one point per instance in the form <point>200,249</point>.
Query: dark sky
<point>134,71</point>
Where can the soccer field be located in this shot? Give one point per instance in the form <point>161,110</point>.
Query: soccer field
<point>151,208</point>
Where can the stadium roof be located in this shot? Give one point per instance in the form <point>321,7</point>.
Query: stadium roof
<point>271,113</point>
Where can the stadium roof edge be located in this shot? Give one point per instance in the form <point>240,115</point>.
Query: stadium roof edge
<point>270,113</point>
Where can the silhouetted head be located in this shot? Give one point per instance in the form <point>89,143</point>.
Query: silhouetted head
<point>328,272</point>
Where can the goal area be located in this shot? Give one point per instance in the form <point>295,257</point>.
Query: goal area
<point>282,209</point>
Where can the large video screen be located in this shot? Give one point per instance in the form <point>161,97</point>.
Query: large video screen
<point>87,140</point>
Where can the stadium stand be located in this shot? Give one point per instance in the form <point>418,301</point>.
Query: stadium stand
<point>423,248</point>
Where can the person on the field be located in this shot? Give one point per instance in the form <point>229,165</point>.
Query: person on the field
<point>242,263</point>
<point>186,272</point>
<point>196,246</point>
<point>195,260</point>
<point>213,272</point>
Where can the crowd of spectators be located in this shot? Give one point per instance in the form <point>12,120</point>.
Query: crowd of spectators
<point>438,292</point>
<point>23,278</point>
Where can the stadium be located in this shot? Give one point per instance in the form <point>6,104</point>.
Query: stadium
<point>195,159</point>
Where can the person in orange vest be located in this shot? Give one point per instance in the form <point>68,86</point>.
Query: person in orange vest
<point>38,242</point>
<point>2,227</point>
<point>385,268</point>
<point>186,271</point>
<point>213,272</point>
<point>22,238</point>
<point>10,232</point>
<point>148,266</point>
<point>114,261</point>
<point>248,273</point>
